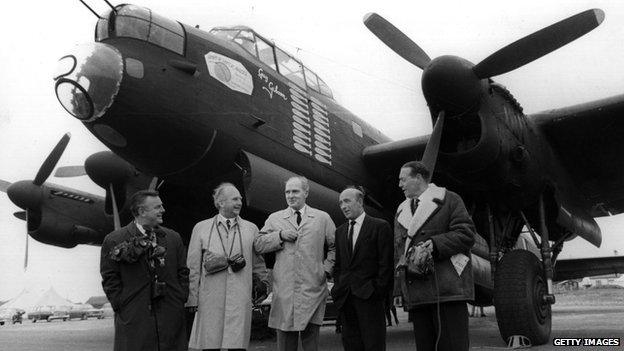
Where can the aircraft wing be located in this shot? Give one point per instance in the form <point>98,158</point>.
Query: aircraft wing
<point>393,154</point>
<point>587,267</point>
<point>589,141</point>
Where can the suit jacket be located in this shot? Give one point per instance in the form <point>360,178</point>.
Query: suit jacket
<point>299,274</point>
<point>442,217</point>
<point>128,288</point>
<point>367,272</point>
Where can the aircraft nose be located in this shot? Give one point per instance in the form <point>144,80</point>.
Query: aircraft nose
<point>25,195</point>
<point>88,79</point>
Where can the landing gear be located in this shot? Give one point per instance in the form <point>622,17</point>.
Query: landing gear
<point>519,297</point>
<point>523,292</point>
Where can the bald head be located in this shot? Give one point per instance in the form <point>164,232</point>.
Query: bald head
<point>351,203</point>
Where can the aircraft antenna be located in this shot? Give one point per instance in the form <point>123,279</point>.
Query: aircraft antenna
<point>90,9</point>
<point>111,6</point>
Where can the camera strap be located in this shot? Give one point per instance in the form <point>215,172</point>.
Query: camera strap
<point>232,244</point>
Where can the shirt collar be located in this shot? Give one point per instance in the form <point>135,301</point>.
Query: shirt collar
<point>360,218</point>
<point>302,210</point>
<point>140,228</point>
<point>221,219</point>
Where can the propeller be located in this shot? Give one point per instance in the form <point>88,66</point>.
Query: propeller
<point>26,247</point>
<point>70,171</point>
<point>512,56</point>
<point>27,195</point>
<point>396,40</point>
<point>4,185</point>
<point>50,162</point>
<point>430,156</point>
<point>538,44</point>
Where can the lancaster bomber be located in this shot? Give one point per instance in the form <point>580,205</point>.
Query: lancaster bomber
<point>182,109</point>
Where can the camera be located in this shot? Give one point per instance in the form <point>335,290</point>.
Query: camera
<point>237,262</point>
<point>159,289</point>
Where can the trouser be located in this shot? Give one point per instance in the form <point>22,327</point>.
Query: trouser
<point>363,324</point>
<point>453,334</point>
<point>289,340</point>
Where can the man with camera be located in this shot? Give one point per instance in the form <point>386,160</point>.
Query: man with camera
<point>226,274</point>
<point>433,234</point>
<point>300,236</point>
<point>144,276</point>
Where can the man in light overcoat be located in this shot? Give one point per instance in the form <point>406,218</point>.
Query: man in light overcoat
<point>303,239</point>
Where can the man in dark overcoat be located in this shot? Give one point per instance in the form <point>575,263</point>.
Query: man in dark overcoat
<point>144,276</point>
<point>434,222</point>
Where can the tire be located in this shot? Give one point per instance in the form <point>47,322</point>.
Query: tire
<point>1,323</point>
<point>519,286</point>
<point>34,320</point>
<point>64,319</point>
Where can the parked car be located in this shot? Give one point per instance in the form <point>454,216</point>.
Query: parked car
<point>79,310</point>
<point>11,315</point>
<point>61,312</point>
<point>40,313</point>
<point>95,313</point>
<point>107,311</point>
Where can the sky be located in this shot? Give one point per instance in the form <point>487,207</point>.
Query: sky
<point>330,38</point>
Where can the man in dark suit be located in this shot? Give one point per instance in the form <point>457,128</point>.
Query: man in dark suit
<point>363,274</point>
<point>144,276</point>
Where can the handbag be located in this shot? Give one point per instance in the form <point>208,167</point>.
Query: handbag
<point>213,262</point>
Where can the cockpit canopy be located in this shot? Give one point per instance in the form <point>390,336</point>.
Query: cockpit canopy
<point>140,23</point>
<point>136,22</point>
<point>274,57</point>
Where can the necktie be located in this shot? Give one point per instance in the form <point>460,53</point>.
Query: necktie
<point>414,205</point>
<point>298,217</point>
<point>350,236</point>
<point>227,222</point>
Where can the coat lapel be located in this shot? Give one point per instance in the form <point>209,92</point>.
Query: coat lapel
<point>428,205</point>
<point>290,217</point>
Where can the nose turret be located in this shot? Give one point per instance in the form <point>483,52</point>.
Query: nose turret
<point>88,79</point>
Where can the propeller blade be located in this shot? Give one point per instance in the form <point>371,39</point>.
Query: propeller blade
<point>116,221</point>
<point>20,215</point>
<point>26,249</point>
<point>433,145</point>
<point>50,162</point>
<point>70,171</point>
<point>153,183</point>
<point>396,40</point>
<point>538,44</point>
<point>4,185</point>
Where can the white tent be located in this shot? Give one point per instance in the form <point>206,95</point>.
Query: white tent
<point>27,300</point>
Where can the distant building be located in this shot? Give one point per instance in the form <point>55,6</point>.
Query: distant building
<point>97,301</point>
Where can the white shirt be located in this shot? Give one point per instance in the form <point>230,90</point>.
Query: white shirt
<point>301,211</point>
<point>356,228</point>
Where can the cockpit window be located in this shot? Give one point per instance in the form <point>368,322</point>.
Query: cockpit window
<point>290,68</point>
<point>141,23</point>
<point>273,57</point>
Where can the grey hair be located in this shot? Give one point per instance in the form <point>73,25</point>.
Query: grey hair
<point>304,182</point>
<point>359,192</point>
<point>218,191</point>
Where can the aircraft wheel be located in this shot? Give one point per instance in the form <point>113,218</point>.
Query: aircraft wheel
<point>34,320</point>
<point>519,287</point>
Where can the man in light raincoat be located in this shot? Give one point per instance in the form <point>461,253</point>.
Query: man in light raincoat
<point>222,299</point>
<point>298,235</point>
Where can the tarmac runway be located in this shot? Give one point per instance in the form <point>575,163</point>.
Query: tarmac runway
<point>97,335</point>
